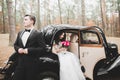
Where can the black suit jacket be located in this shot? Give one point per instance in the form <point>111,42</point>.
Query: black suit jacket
<point>28,64</point>
<point>35,43</point>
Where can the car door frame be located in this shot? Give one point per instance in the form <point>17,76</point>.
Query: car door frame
<point>89,70</point>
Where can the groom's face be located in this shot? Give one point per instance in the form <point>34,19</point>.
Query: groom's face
<point>27,21</point>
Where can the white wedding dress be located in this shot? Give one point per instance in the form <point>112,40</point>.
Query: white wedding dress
<point>70,68</point>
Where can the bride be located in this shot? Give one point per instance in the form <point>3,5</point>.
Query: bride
<point>70,68</point>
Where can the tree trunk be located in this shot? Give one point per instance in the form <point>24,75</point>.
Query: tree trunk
<point>68,14</point>
<point>119,22</point>
<point>83,12</point>
<point>49,11</point>
<point>11,22</point>
<point>60,11</point>
<point>38,19</point>
<point>3,30</point>
<point>118,17</point>
<point>15,11</point>
<point>45,13</point>
<point>103,14</point>
<point>32,6</point>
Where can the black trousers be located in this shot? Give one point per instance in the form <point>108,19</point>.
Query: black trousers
<point>27,69</point>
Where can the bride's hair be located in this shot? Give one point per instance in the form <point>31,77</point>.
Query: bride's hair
<point>57,37</point>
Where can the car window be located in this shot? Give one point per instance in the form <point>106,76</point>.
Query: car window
<point>89,38</point>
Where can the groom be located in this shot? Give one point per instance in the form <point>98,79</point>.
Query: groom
<point>29,45</point>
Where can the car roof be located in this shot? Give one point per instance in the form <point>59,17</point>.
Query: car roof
<point>50,30</point>
<point>67,26</point>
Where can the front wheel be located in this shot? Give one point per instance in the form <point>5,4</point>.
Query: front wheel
<point>96,70</point>
<point>48,76</point>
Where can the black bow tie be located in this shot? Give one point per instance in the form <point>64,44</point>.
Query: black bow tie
<point>27,30</point>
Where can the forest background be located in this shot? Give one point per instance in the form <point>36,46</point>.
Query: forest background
<point>102,13</point>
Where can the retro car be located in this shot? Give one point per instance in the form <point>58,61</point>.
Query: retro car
<point>89,44</point>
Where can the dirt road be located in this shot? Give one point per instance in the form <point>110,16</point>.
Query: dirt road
<point>5,50</point>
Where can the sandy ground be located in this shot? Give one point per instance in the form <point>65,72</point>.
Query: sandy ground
<point>5,50</point>
<point>114,40</point>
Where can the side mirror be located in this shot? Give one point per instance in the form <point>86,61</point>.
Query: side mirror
<point>113,49</point>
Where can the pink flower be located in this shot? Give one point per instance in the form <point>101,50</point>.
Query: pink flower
<point>65,43</point>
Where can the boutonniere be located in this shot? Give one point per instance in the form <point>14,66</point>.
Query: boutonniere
<point>65,43</point>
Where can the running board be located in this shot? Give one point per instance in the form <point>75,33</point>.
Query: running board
<point>102,71</point>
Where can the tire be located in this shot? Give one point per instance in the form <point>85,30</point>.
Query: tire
<point>48,76</point>
<point>96,69</point>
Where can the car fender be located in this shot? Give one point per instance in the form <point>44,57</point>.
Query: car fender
<point>115,64</point>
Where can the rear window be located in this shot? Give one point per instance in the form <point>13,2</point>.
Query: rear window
<point>88,37</point>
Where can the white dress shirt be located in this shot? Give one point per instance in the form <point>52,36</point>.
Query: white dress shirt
<point>25,36</point>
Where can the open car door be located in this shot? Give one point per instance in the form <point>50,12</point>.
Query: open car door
<point>91,51</point>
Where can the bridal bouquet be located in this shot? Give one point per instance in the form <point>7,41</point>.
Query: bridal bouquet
<point>65,43</point>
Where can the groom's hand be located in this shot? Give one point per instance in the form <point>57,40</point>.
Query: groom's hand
<point>20,50</point>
